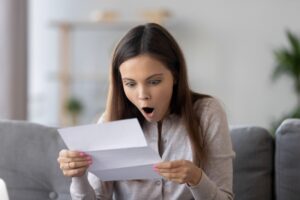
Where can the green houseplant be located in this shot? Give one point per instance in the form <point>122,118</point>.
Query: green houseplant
<point>288,63</point>
<point>74,108</point>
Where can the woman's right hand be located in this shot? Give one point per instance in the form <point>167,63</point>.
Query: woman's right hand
<point>73,163</point>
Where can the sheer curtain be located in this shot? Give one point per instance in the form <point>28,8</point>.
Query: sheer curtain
<point>13,59</point>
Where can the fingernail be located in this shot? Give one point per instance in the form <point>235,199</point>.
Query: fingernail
<point>82,154</point>
<point>155,169</point>
<point>90,162</point>
<point>89,158</point>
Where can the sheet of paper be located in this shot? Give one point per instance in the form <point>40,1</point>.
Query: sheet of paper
<point>119,149</point>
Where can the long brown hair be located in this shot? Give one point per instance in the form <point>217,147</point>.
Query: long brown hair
<point>154,40</point>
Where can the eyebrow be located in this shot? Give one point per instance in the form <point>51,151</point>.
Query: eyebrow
<point>154,75</point>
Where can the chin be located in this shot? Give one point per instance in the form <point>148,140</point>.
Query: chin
<point>151,119</point>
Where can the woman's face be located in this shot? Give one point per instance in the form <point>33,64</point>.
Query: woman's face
<point>148,84</point>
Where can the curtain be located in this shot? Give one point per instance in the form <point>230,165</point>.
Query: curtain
<point>13,59</point>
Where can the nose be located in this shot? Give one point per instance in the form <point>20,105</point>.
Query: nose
<point>144,94</point>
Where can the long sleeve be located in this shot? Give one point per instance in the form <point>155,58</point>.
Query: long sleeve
<point>89,187</point>
<point>216,181</point>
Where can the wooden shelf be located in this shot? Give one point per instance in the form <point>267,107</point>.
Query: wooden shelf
<point>64,75</point>
<point>103,25</point>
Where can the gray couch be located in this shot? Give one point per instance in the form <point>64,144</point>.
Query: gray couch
<point>266,168</point>
<point>28,164</point>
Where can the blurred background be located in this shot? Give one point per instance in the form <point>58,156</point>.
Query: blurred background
<point>55,54</point>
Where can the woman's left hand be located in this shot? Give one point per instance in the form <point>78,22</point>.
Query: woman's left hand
<point>180,171</point>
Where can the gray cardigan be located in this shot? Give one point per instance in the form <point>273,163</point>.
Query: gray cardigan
<point>216,181</point>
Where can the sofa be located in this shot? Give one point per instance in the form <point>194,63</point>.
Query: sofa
<point>28,165</point>
<point>265,167</point>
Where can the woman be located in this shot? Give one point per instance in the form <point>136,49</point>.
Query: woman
<point>148,80</point>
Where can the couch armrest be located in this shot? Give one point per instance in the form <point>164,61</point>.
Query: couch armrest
<point>28,165</point>
<point>253,165</point>
<point>287,160</point>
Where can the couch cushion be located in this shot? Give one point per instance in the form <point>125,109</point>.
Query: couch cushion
<point>28,154</point>
<point>253,165</point>
<point>287,160</point>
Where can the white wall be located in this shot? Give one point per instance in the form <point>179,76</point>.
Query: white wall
<point>228,47</point>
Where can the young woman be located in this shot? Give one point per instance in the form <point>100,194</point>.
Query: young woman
<point>148,80</point>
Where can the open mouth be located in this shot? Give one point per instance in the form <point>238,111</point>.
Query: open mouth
<point>148,110</point>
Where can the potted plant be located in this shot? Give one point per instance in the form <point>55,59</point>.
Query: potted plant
<point>74,108</point>
<point>288,63</point>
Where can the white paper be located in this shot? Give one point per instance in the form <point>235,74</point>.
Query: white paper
<point>118,149</point>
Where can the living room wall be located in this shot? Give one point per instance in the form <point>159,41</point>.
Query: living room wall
<point>228,47</point>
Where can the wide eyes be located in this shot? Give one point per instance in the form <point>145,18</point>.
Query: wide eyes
<point>154,82</point>
<point>131,84</point>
